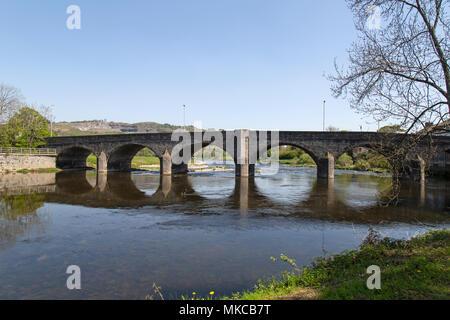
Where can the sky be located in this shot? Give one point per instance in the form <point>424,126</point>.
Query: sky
<point>256,64</point>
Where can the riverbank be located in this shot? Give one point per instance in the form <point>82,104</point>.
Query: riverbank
<point>418,268</point>
<point>295,164</point>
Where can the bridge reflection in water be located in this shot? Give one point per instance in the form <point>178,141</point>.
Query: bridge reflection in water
<point>341,199</point>
<point>190,232</point>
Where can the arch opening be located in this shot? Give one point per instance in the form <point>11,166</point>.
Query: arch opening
<point>363,158</point>
<point>73,158</point>
<point>441,161</point>
<point>132,157</point>
<point>211,158</point>
<point>287,187</point>
<point>145,160</point>
<point>290,155</point>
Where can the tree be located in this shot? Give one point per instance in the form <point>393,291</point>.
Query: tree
<point>27,128</point>
<point>10,101</point>
<point>332,129</point>
<point>399,71</point>
<point>391,129</point>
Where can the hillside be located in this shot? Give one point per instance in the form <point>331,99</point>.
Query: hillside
<point>91,127</point>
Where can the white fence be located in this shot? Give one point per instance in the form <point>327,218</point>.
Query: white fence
<point>32,151</point>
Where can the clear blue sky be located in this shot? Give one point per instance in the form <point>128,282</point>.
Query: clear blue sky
<point>234,63</point>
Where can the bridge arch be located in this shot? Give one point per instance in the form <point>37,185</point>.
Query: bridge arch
<point>375,149</point>
<point>291,144</point>
<point>73,157</point>
<point>119,158</point>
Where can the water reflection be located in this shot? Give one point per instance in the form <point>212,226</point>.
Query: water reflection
<point>350,197</point>
<point>191,232</point>
<point>18,217</point>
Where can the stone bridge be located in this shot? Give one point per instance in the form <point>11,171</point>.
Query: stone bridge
<point>115,152</point>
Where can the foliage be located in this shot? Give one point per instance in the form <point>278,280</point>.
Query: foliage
<point>18,206</point>
<point>27,128</point>
<point>146,152</point>
<point>288,155</point>
<point>362,165</point>
<point>305,159</point>
<point>411,269</point>
<point>345,161</point>
<point>391,129</point>
<point>378,161</point>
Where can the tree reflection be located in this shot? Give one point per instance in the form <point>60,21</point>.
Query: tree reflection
<point>18,216</point>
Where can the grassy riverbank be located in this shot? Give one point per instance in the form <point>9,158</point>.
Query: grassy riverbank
<point>25,171</point>
<point>136,163</point>
<point>418,268</point>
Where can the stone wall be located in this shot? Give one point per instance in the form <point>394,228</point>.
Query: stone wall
<point>14,162</point>
<point>21,180</point>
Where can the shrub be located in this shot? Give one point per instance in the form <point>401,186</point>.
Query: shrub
<point>378,161</point>
<point>345,161</point>
<point>288,155</point>
<point>362,165</point>
<point>305,159</point>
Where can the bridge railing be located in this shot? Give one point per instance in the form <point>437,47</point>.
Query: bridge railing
<point>32,151</point>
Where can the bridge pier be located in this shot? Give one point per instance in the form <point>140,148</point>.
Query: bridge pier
<point>245,170</point>
<point>102,163</point>
<point>102,180</point>
<point>325,166</point>
<point>180,168</point>
<point>414,170</point>
<point>168,168</point>
<point>165,164</point>
<point>245,156</point>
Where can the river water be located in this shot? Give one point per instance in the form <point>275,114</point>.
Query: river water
<point>201,232</point>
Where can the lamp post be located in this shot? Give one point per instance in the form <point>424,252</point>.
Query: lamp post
<point>323,125</point>
<point>184,116</point>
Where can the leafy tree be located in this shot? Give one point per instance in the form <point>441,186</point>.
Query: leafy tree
<point>288,155</point>
<point>27,128</point>
<point>305,159</point>
<point>362,165</point>
<point>391,129</point>
<point>345,160</point>
<point>378,161</point>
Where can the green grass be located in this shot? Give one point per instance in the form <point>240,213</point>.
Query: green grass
<point>40,170</point>
<point>418,268</point>
<point>137,161</point>
<point>376,170</point>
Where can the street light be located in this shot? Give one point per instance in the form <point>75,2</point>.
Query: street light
<point>184,116</point>
<point>324,115</point>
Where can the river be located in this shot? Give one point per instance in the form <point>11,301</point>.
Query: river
<point>198,233</point>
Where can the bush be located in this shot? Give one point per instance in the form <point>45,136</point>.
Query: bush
<point>345,161</point>
<point>305,159</point>
<point>362,165</point>
<point>378,161</point>
<point>288,155</point>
